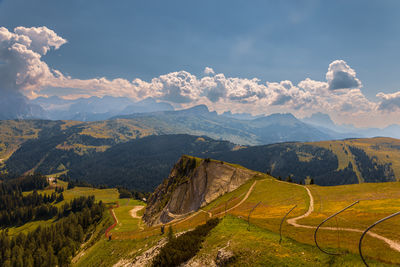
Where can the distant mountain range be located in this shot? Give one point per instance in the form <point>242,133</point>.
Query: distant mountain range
<point>95,108</point>
<point>103,108</point>
<point>323,121</point>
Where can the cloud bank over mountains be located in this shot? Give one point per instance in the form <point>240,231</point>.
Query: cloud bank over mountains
<point>23,71</point>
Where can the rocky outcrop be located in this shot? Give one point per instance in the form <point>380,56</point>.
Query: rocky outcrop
<point>192,184</point>
<point>224,257</point>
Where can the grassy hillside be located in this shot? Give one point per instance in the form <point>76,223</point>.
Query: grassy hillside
<point>108,196</point>
<point>328,162</point>
<point>380,150</point>
<point>135,152</point>
<point>257,243</point>
<point>81,137</point>
<point>260,247</point>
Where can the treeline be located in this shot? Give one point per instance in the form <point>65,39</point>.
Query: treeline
<point>370,168</point>
<point>182,248</point>
<point>25,183</point>
<point>17,209</point>
<point>126,193</point>
<point>56,244</point>
<point>77,205</point>
<point>78,183</point>
<point>22,209</point>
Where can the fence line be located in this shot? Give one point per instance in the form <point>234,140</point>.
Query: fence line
<point>369,228</point>
<point>333,215</point>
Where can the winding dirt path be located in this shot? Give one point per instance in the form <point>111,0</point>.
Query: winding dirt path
<point>293,221</point>
<point>133,212</point>
<point>176,221</point>
<point>241,202</point>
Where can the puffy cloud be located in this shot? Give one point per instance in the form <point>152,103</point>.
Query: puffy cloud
<point>43,39</point>
<point>390,102</point>
<point>341,76</point>
<point>208,71</point>
<point>23,70</point>
<point>21,54</point>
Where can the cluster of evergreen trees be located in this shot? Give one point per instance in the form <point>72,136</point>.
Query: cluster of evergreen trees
<point>17,209</point>
<point>53,245</point>
<point>182,248</point>
<point>56,244</point>
<point>77,183</point>
<point>371,169</point>
<point>126,193</point>
<point>25,183</point>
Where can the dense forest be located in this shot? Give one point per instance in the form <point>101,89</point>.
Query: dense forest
<point>17,209</point>
<point>370,169</point>
<point>142,164</point>
<point>139,164</point>
<point>55,244</point>
<point>283,160</point>
<point>50,245</point>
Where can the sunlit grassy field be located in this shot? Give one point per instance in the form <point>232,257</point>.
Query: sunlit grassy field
<point>107,253</point>
<point>377,200</point>
<point>125,221</point>
<point>260,247</point>
<point>106,195</point>
<point>274,199</point>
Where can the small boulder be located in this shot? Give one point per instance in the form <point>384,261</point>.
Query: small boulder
<point>224,257</point>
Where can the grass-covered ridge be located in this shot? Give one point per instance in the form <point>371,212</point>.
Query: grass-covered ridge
<point>260,247</point>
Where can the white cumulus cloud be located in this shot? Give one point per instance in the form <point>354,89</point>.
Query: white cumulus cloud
<point>341,76</point>
<point>208,71</point>
<point>23,70</point>
<point>21,52</point>
<point>390,102</point>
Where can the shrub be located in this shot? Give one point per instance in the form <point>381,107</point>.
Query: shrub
<point>184,247</point>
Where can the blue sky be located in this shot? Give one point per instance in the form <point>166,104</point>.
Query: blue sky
<point>270,40</point>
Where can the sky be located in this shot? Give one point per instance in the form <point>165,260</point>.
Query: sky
<point>337,57</point>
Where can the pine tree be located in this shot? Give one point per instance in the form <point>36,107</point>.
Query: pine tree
<point>171,235</point>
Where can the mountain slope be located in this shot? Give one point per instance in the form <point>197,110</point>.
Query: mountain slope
<point>200,121</point>
<point>250,231</point>
<point>328,162</point>
<point>194,121</point>
<point>142,164</point>
<point>193,183</point>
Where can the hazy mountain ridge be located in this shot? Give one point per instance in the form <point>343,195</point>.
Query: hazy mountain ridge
<point>95,108</point>
<point>199,120</point>
<point>194,121</point>
<point>107,107</point>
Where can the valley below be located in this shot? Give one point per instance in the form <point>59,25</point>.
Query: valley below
<point>176,199</point>
<point>246,220</point>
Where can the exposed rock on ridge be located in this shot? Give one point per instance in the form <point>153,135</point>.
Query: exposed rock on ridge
<point>192,184</point>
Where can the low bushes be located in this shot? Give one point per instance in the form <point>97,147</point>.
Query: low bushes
<point>184,247</point>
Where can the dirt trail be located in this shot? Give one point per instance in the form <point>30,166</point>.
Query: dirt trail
<point>237,205</point>
<point>133,212</point>
<point>176,221</point>
<point>242,201</point>
<point>293,221</point>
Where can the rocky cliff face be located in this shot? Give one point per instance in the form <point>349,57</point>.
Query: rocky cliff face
<point>192,184</point>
